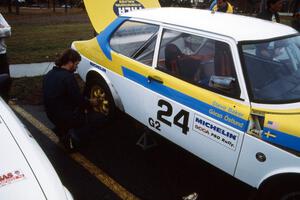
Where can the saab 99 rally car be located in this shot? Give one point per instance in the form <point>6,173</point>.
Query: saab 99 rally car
<point>25,171</point>
<point>222,86</point>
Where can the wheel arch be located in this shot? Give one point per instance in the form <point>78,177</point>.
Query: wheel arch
<point>279,177</point>
<point>279,185</point>
<point>97,74</point>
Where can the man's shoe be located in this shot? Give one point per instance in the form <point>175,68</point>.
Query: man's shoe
<point>193,196</point>
<point>70,142</point>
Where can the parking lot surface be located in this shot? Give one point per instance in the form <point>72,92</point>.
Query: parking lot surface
<point>112,166</point>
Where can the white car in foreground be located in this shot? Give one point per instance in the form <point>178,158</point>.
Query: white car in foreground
<point>25,171</point>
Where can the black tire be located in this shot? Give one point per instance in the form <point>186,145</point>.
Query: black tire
<point>98,82</point>
<point>286,188</point>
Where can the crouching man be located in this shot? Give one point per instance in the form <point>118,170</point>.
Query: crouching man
<point>65,106</point>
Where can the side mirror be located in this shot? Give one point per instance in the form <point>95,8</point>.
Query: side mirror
<point>4,84</point>
<point>222,82</point>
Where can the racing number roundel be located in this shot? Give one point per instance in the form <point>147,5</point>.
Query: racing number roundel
<point>124,6</point>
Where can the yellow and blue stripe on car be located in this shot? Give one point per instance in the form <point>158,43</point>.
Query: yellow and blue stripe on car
<point>282,130</point>
<point>180,97</point>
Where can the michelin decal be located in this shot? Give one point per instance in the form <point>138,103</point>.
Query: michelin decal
<point>215,132</point>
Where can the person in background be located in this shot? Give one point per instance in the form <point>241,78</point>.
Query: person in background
<point>223,6</point>
<point>64,104</point>
<point>270,12</point>
<point>262,6</point>
<point>5,32</point>
<point>212,5</point>
<point>296,15</point>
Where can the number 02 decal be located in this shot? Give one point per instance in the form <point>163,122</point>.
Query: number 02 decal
<point>168,111</point>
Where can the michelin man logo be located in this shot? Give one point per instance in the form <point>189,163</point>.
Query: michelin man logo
<point>124,6</point>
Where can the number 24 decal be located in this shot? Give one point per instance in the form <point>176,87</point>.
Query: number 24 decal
<point>161,114</point>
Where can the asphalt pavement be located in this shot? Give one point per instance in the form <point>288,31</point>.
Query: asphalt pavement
<point>164,172</point>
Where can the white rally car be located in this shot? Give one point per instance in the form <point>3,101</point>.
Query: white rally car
<point>222,86</point>
<point>25,171</point>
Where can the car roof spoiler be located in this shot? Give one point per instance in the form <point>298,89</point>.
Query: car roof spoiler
<point>102,13</point>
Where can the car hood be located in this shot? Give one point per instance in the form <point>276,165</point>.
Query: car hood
<point>16,177</point>
<point>25,171</point>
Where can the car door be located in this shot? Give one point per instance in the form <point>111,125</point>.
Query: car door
<point>194,97</point>
<point>133,45</point>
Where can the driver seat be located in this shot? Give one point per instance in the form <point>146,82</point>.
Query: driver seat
<point>172,52</point>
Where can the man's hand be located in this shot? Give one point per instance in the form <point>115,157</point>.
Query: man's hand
<point>93,101</point>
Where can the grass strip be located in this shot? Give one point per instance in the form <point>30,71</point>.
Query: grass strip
<point>41,43</point>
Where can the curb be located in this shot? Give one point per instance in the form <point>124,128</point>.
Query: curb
<point>30,70</point>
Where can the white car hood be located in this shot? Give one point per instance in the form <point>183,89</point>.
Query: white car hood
<point>16,178</point>
<point>21,155</point>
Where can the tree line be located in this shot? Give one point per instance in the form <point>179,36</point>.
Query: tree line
<point>11,4</point>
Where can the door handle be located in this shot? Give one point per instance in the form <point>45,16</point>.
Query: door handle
<point>155,78</point>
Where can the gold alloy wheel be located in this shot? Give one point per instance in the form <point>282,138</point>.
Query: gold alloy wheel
<point>103,103</point>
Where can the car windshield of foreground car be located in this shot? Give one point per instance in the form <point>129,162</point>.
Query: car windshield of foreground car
<point>273,70</point>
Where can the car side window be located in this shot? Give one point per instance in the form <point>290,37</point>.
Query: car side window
<point>198,60</point>
<point>146,53</point>
<point>135,40</point>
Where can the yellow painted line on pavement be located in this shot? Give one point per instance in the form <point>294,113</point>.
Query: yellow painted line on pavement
<point>84,162</point>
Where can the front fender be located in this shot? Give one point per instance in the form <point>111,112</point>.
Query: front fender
<point>278,173</point>
<point>254,172</point>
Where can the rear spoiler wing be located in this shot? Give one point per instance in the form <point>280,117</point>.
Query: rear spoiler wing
<point>103,12</point>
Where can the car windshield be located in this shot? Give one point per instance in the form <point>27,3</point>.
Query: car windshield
<point>273,70</point>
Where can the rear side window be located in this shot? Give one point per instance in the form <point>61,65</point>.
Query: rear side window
<point>131,37</point>
<point>198,60</point>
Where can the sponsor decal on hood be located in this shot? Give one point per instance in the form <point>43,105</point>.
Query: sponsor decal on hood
<point>11,177</point>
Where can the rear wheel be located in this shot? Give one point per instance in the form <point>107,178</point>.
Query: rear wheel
<point>98,89</point>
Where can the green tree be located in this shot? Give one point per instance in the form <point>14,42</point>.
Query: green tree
<point>9,6</point>
<point>185,3</point>
<point>180,3</point>
<point>166,3</point>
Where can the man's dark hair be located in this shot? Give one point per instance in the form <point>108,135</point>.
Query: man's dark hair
<point>68,55</point>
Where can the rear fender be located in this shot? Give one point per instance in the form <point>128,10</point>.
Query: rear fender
<point>88,69</point>
<point>96,72</point>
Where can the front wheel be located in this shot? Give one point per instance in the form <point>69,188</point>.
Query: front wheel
<point>286,189</point>
<point>97,88</point>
